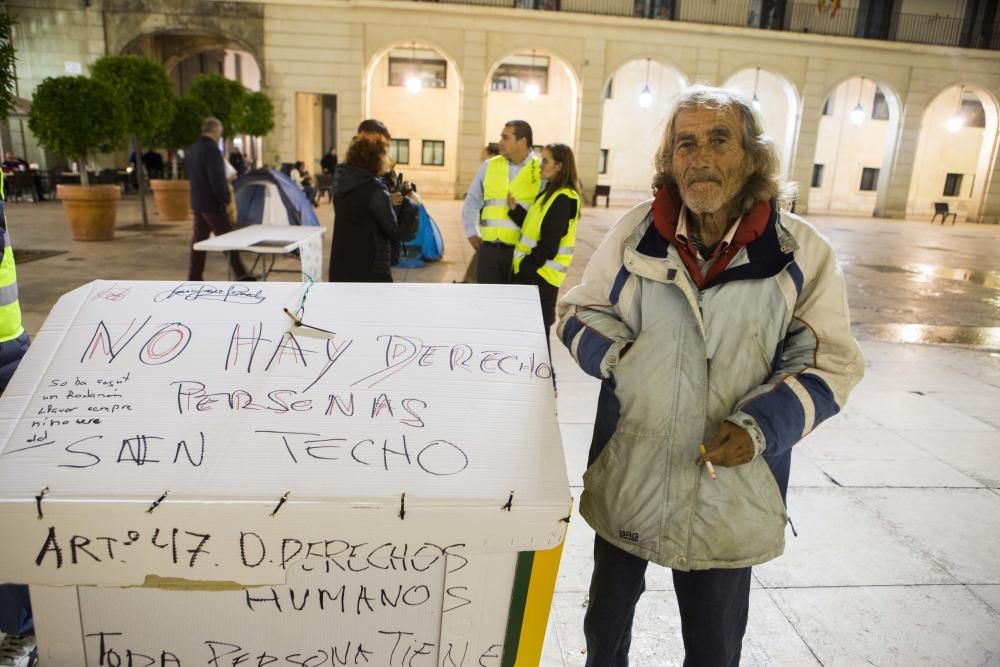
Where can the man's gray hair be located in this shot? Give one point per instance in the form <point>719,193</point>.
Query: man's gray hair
<point>210,124</point>
<point>764,181</point>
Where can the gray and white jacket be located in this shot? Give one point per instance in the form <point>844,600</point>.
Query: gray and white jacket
<point>766,345</point>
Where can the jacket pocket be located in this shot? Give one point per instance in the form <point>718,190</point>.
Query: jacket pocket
<point>623,489</point>
<point>739,517</point>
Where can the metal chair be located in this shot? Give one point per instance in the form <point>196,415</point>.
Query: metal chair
<point>602,191</point>
<point>23,183</point>
<point>324,184</point>
<point>941,208</point>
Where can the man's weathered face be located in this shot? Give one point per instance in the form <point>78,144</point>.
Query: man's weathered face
<point>510,146</point>
<point>708,161</point>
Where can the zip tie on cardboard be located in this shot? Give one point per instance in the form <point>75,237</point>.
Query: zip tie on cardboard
<point>510,503</point>
<point>280,503</point>
<point>792,525</point>
<point>297,321</point>
<point>402,506</point>
<point>38,501</point>
<point>565,519</point>
<point>157,502</point>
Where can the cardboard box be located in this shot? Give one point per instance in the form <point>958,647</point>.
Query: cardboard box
<point>282,473</point>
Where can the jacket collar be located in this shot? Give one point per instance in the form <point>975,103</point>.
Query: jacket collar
<point>768,251</point>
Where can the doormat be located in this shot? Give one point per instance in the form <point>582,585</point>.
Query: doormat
<point>24,255</point>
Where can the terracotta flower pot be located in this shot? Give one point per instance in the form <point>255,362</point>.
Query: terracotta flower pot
<point>172,199</point>
<point>90,210</point>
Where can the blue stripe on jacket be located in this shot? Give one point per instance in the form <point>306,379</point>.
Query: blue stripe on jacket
<point>590,349</point>
<point>822,397</point>
<point>796,274</point>
<point>616,288</point>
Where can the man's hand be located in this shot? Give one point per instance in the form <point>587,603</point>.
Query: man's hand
<point>475,241</point>
<point>397,198</point>
<point>511,201</point>
<point>731,446</point>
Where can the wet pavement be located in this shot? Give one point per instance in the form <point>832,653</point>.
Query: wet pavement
<point>896,500</point>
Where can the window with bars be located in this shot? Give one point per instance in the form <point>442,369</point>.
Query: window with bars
<point>880,108</point>
<point>953,185</point>
<point>433,153</point>
<point>817,179</point>
<point>399,150</point>
<point>869,179</point>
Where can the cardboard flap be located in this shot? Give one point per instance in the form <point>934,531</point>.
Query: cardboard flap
<point>340,405</point>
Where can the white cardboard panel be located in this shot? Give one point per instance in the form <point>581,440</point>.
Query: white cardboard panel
<point>210,392</point>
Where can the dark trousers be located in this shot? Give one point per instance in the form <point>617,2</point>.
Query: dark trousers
<point>206,223</point>
<point>15,610</point>
<point>494,264</point>
<point>15,605</point>
<point>713,604</point>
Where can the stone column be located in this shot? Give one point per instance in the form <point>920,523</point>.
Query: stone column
<point>814,91</point>
<point>470,118</point>
<point>901,151</point>
<point>591,114</point>
<point>991,200</point>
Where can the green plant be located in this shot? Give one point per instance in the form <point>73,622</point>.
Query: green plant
<point>8,65</point>
<point>74,116</point>
<point>224,97</point>
<point>258,115</point>
<point>141,90</point>
<point>184,128</point>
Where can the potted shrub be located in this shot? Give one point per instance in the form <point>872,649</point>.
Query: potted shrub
<point>225,99</point>
<point>143,94</point>
<point>74,116</point>
<point>173,196</point>
<point>258,115</point>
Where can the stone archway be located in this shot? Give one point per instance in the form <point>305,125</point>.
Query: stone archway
<point>776,100</point>
<point>538,86</point>
<point>638,96</point>
<point>425,145</point>
<point>191,23</point>
<point>853,157</point>
<point>953,158</point>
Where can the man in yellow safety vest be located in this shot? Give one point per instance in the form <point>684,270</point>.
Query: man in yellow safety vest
<point>485,214</point>
<point>15,607</point>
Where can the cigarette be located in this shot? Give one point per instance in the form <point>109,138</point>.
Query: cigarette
<point>708,464</point>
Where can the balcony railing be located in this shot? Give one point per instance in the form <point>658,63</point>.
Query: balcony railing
<point>801,17</point>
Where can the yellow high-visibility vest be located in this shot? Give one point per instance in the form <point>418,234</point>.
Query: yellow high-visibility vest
<point>554,270</point>
<point>494,224</point>
<point>10,309</point>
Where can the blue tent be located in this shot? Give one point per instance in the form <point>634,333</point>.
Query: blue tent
<point>268,197</point>
<point>427,246</point>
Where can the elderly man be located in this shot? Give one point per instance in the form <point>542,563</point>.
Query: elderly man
<point>485,216</point>
<point>210,198</point>
<point>714,319</point>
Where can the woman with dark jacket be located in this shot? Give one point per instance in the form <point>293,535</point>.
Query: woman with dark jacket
<point>364,222</point>
<point>548,229</point>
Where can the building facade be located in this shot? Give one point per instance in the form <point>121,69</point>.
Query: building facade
<point>343,60</point>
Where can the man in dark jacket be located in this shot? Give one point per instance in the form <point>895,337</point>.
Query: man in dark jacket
<point>209,197</point>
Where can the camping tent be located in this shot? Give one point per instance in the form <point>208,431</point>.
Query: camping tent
<point>426,246</point>
<point>268,197</point>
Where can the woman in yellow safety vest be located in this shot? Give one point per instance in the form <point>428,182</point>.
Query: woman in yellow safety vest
<point>548,229</point>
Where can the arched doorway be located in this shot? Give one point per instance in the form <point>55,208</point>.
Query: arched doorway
<point>187,54</point>
<point>409,76</point>
<point>952,164</point>
<point>538,87</point>
<point>637,99</point>
<point>854,147</point>
<point>777,102</point>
